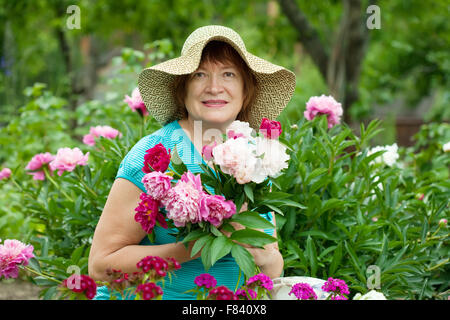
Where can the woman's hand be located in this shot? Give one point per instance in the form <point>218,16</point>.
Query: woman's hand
<point>268,259</point>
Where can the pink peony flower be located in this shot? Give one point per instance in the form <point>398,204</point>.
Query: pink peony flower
<point>12,254</point>
<point>260,280</point>
<point>157,184</point>
<point>303,291</point>
<point>5,173</point>
<point>324,105</point>
<point>67,159</point>
<point>136,103</point>
<point>156,159</point>
<point>270,129</point>
<point>215,208</point>
<point>205,280</point>
<point>149,291</point>
<point>37,162</point>
<point>443,222</point>
<point>182,203</point>
<point>207,151</point>
<point>147,213</point>
<point>100,131</point>
<point>221,293</point>
<point>81,284</point>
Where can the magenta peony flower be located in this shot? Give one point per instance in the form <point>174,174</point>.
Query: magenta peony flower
<point>207,151</point>
<point>303,291</point>
<point>270,129</point>
<point>156,159</point>
<point>221,293</point>
<point>81,284</point>
<point>182,202</point>
<point>215,208</point>
<point>324,105</point>
<point>100,131</point>
<point>12,254</point>
<point>242,295</point>
<point>147,213</point>
<point>67,159</point>
<point>5,173</point>
<point>205,280</point>
<point>260,280</point>
<point>157,184</point>
<point>337,288</point>
<point>136,103</point>
<point>149,291</point>
<point>37,162</point>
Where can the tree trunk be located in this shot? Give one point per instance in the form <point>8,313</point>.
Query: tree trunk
<point>342,66</point>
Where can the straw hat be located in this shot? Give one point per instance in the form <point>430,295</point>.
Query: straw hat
<point>276,84</point>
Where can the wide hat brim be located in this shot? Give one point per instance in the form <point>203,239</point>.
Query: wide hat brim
<point>276,84</point>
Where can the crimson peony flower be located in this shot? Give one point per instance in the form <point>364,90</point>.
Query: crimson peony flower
<point>221,293</point>
<point>156,159</point>
<point>149,291</point>
<point>147,213</point>
<point>81,284</point>
<point>270,129</point>
<point>14,253</point>
<point>157,266</point>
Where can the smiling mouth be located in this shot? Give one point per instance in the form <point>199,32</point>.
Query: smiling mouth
<point>214,103</point>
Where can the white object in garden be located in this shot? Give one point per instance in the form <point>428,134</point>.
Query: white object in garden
<point>389,157</point>
<point>446,147</point>
<point>282,286</point>
<point>371,295</point>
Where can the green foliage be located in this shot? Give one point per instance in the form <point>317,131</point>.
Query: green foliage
<point>359,213</point>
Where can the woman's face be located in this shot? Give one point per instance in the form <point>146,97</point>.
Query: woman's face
<point>215,94</point>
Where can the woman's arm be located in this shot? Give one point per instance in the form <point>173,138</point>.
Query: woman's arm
<point>117,235</point>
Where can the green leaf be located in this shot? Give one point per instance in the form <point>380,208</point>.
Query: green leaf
<point>76,254</point>
<point>252,220</point>
<point>177,163</point>
<point>252,237</point>
<point>312,255</point>
<point>194,235</point>
<point>206,253</point>
<point>248,192</point>
<point>220,247</point>
<point>244,259</point>
<point>198,245</point>
<point>336,261</point>
<point>355,262</point>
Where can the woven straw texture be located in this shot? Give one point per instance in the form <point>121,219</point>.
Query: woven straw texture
<point>276,84</point>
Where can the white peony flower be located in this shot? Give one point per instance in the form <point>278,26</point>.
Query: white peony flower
<point>446,147</point>
<point>389,157</point>
<point>237,158</point>
<point>240,128</point>
<point>371,295</point>
<point>272,158</point>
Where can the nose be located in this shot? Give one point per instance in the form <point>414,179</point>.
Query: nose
<point>214,85</point>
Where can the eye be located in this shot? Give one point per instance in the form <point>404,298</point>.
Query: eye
<point>198,74</point>
<point>229,74</point>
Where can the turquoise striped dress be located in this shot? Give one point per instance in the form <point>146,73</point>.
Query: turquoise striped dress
<point>225,270</point>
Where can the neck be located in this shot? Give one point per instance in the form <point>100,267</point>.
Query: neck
<point>203,133</point>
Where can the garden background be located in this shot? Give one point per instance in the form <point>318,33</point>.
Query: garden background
<point>65,69</point>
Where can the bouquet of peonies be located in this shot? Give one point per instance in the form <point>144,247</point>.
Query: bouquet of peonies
<point>241,171</point>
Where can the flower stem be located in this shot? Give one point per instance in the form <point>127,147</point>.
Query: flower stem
<point>42,275</point>
<point>239,280</point>
<point>47,175</point>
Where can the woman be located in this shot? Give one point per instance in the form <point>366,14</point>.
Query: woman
<point>214,82</point>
